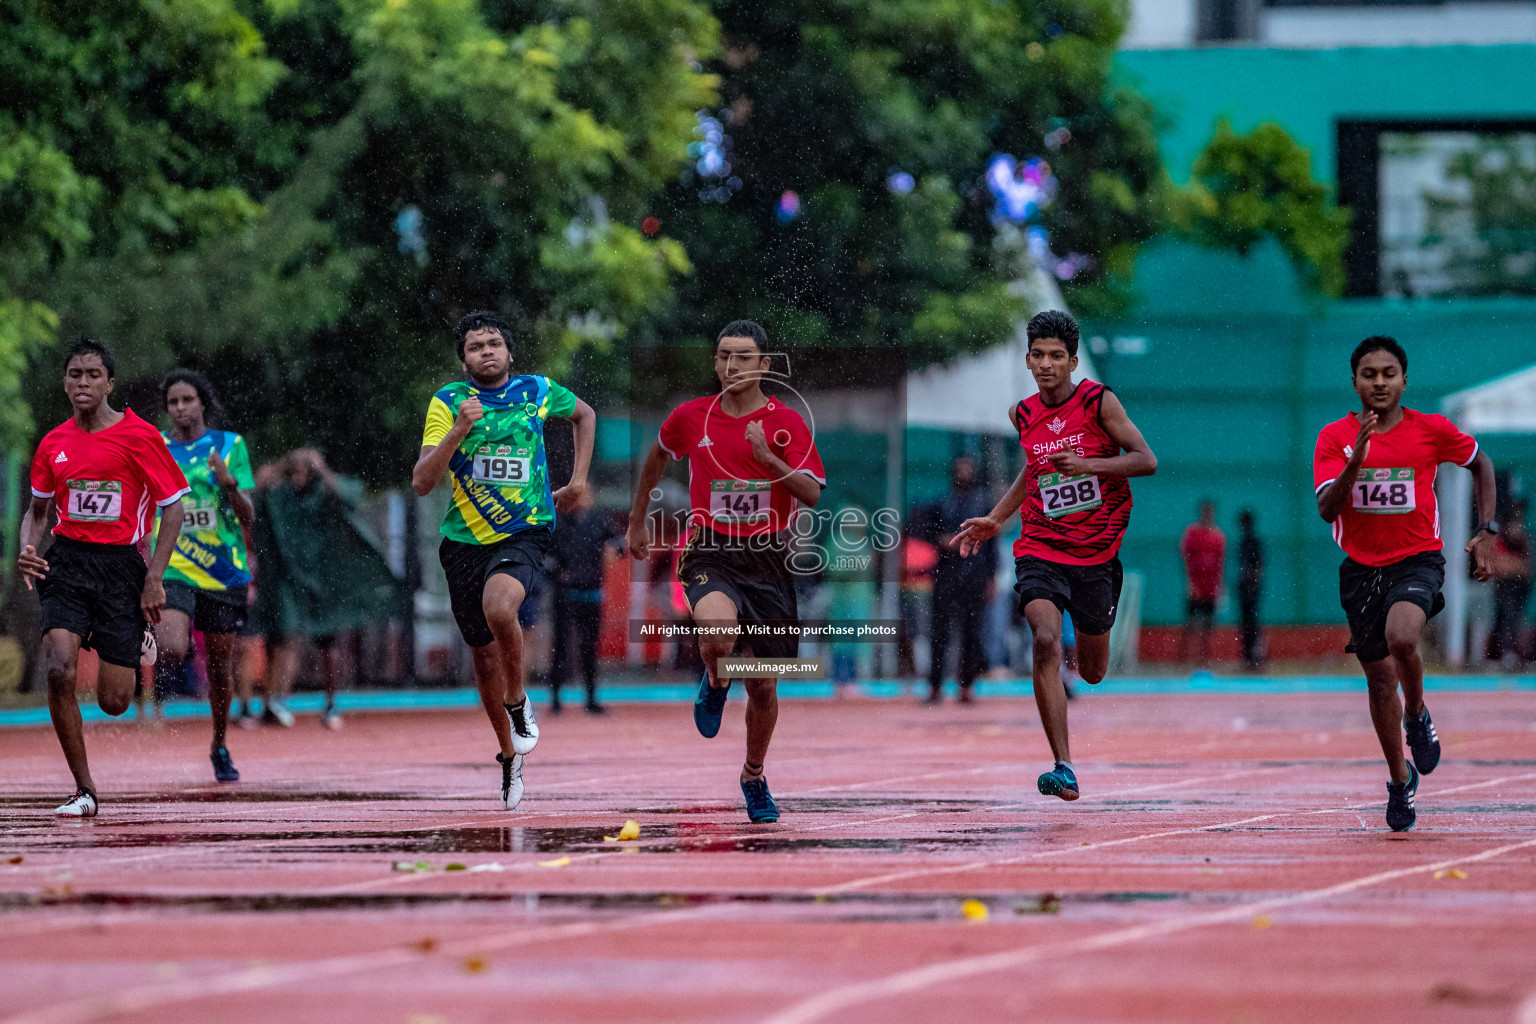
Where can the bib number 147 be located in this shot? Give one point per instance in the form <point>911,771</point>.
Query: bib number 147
<point>95,501</point>
<point>1060,496</point>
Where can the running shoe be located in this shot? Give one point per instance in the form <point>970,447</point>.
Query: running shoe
<point>1059,781</point>
<point>525,729</point>
<point>149,652</point>
<point>1400,813</point>
<point>594,708</point>
<point>277,713</point>
<point>246,720</point>
<point>81,805</point>
<point>511,780</point>
<point>223,768</point>
<point>760,806</point>
<point>1423,741</point>
<point>708,706</point>
<point>331,718</point>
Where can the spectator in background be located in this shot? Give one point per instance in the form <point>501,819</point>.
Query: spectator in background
<point>962,587</point>
<point>1204,550</point>
<point>1511,588</point>
<point>1250,582</point>
<point>579,548</point>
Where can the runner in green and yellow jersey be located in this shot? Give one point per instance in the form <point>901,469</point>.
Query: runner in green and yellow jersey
<point>486,434</point>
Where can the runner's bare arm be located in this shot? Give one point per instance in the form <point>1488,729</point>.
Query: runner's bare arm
<point>1136,458</point>
<point>1332,499</point>
<point>1482,545</point>
<point>973,533</point>
<point>32,565</point>
<point>637,538</point>
<point>805,490</point>
<point>434,459</point>
<point>153,601</point>
<point>584,428</point>
<point>238,500</point>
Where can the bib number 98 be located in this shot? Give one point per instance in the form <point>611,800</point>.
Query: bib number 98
<point>199,517</point>
<point>1060,496</point>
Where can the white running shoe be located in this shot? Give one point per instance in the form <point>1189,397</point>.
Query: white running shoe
<point>525,729</point>
<point>149,651</point>
<point>331,719</point>
<point>511,780</point>
<point>277,713</point>
<point>83,805</point>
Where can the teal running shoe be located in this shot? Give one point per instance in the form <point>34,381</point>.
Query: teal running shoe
<point>760,806</point>
<point>1400,812</point>
<point>708,706</point>
<point>1059,781</point>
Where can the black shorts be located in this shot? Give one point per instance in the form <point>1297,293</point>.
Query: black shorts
<point>1089,593</point>
<point>753,572</point>
<point>221,611</point>
<point>1368,594</point>
<point>94,590</point>
<point>1201,607</point>
<point>468,566</point>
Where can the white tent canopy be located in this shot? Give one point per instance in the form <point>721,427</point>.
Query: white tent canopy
<point>1504,405</point>
<point>974,393</point>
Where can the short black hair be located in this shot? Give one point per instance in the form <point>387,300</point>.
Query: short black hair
<point>745,329</point>
<point>1054,323</point>
<point>199,383</point>
<point>91,347</point>
<point>1377,343</point>
<point>479,320</point>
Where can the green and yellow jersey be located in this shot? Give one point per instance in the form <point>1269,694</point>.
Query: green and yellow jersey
<point>500,478</point>
<point>210,552</point>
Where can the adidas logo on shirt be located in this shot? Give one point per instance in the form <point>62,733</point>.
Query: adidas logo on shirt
<point>61,457</point>
<point>706,443</point>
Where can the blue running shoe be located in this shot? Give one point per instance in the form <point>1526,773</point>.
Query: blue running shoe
<point>1059,781</point>
<point>760,805</point>
<point>223,767</point>
<point>708,706</point>
<point>1400,813</point>
<point>1423,741</point>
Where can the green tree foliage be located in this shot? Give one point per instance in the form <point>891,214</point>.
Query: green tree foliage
<point>1486,220</point>
<point>829,100</point>
<point>112,121</point>
<point>1246,187</point>
<point>413,159</point>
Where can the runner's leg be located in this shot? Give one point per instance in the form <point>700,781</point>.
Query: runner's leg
<point>1044,620</point>
<point>114,687</point>
<point>762,716</point>
<point>1405,623</point>
<point>1092,656</point>
<point>492,683</point>
<point>61,652</point>
<point>717,610</point>
<point>221,678</point>
<point>502,597</point>
<point>1387,712</point>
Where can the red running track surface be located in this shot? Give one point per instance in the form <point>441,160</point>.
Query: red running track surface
<point>1228,863</point>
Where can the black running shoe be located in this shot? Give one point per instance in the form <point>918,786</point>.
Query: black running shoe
<point>223,768</point>
<point>1423,741</point>
<point>1400,813</point>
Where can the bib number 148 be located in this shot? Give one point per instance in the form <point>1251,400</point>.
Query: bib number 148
<point>1384,492</point>
<point>1060,496</point>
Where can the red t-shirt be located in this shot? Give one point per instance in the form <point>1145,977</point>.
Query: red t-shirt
<point>1205,554</point>
<point>727,487</point>
<point>1391,513</point>
<point>106,484</point>
<point>1078,521</point>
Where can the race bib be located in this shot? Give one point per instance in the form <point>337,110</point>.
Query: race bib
<point>1384,492</point>
<point>1060,496</point>
<point>95,501</point>
<point>739,501</point>
<point>502,466</point>
<point>203,516</point>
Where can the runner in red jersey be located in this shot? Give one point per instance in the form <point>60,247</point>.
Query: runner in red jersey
<point>1374,473</point>
<point>1076,501</point>
<point>107,471</point>
<point>751,462</point>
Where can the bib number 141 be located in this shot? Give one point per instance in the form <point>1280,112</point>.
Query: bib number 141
<point>1060,496</point>
<point>1384,492</point>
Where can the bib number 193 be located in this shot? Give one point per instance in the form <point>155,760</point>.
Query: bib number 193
<point>1060,496</point>
<point>501,469</point>
<point>1384,492</point>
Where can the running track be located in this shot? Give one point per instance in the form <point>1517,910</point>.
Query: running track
<point>1228,863</point>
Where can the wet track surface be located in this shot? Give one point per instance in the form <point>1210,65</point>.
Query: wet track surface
<point>1228,862</point>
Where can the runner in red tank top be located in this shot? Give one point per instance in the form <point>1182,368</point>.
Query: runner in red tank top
<point>1374,472</point>
<point>107,471</point>
<point>1077,501</point>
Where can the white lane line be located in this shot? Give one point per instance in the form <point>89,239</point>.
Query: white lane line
<point>847,996</point>
<point>976,865</point>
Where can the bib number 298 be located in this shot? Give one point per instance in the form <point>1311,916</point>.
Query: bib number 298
<point>1060,496</point>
